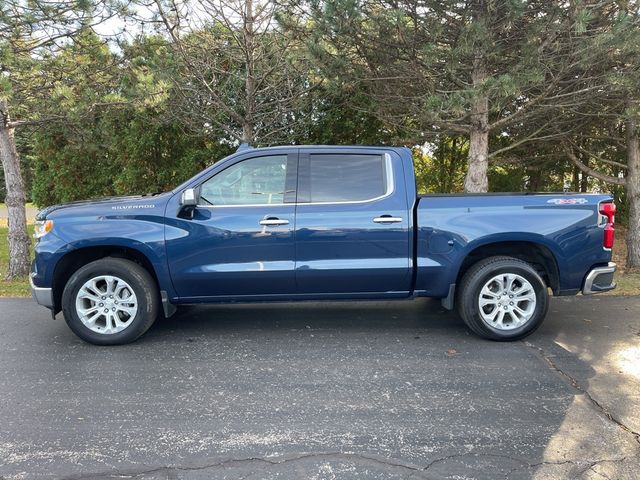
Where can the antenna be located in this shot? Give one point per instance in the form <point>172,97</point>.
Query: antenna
<point>242,147</point>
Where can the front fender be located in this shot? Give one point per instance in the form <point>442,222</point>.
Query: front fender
<point>144,234</point>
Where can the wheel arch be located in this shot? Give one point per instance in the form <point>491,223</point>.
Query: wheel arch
<point>77,258</point>
<point>537,254</point>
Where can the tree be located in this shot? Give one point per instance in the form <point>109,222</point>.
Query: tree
<point>239,71</point>
<point>607,123</point>
<point>443,170</point>
<point>600,156</point>
<point>474,68</point>
<point>31,31</point>
<point>118,135</point>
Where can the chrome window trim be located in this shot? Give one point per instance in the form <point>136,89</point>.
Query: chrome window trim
<point>390,190</point>
<point>248,205</point>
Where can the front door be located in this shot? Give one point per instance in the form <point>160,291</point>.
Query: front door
<point>240,241</point>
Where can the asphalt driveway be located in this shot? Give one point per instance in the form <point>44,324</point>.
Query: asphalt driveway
<point>335,390</point>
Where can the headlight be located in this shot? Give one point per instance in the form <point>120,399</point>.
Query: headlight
<point>42,228</point>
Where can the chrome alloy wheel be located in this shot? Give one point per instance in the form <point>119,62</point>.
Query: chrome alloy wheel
<point>106,304</point>
<point>507,301</point>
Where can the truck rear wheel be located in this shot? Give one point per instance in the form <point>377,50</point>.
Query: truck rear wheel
<point>502,298</point>
<point>111,301</point>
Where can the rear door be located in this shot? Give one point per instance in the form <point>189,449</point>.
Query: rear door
<point>352,223</point>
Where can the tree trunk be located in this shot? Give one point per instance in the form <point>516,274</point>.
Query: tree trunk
<point>250,80</point>
<point>478,160</point>
<point>633,193</point>
<point>15,199</point>
<point>535,179</point>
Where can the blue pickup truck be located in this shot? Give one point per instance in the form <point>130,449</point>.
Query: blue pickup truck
<point>318,222</point>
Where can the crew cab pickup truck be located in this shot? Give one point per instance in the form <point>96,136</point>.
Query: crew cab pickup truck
<point>313,223</point>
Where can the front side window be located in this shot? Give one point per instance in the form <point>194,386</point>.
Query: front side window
<point>254,181</point>
<point>346,178</point>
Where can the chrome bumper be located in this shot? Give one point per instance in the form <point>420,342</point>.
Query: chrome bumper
<point>44,296</point>
<point>600,279</point>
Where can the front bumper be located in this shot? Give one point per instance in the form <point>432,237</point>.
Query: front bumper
<point>600,279</point>
<point>44,296</point>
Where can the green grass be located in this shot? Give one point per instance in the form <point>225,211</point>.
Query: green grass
<point>11,288</point>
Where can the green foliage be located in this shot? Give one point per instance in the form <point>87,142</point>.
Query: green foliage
<point>68,165</point>
<point>507,178</point>
<point>155,156</point>
<point>418,57</point>
<point>340,115</point>
<point>443,170</point>
<point>119,134</point>
<point>127,151</point>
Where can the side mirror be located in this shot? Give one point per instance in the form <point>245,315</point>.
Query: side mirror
<point>188,202</point>
<point>189,198</point>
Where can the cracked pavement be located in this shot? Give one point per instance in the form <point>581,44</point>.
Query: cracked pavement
<point>375,390</point>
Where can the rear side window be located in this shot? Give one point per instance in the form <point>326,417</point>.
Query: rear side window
<point>346,178</point>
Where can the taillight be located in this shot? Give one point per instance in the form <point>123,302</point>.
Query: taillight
<point>609,211</point>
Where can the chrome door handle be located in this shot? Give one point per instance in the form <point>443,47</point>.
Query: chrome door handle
<point>273,221</point>
<point>387,219</point>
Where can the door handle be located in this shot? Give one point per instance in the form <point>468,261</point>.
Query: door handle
<point>387,219</point>
<point>273,221</point>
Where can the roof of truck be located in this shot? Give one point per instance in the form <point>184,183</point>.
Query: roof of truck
<point>246,146</point>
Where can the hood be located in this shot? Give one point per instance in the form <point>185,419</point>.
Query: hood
<point>128,202</point>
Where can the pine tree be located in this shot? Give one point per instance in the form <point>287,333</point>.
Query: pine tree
<point>474,68</point>
<point>609,123</point>
<point>29,33</point>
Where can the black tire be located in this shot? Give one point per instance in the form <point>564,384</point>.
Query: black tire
<point>468,297</point>
<point>143,285</point>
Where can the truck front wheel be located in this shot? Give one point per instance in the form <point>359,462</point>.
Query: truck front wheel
<point>502,298</point>
<point>111,301</point>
